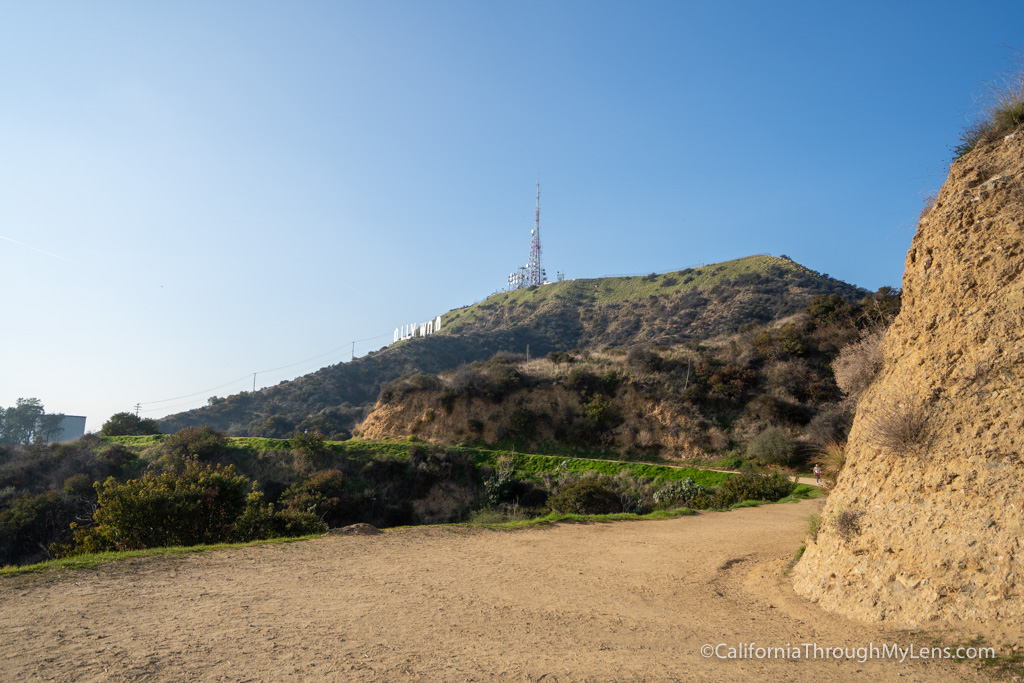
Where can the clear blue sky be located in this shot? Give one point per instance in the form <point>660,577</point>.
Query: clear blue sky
<point>191,192</point>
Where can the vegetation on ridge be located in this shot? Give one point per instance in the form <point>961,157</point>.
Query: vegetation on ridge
<point>693,304</point>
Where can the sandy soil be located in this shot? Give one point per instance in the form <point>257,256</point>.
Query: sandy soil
<point>629,601</point>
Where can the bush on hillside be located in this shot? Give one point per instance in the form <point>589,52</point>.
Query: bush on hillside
<point>202,442</point>
<point>859,363</point>
<point>407,384</point>
<point>586,497</point>
<point>644,360</point>
<point>899,423</point>
<point>680,493</point>
<point>198,505</point>
<point>752,486</point>
<point>129,424</point>
<point>773,446</point>
<point>830,424</point>
<point>326,496</point>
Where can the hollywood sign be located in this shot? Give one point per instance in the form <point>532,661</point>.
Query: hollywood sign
<point>418,329</point>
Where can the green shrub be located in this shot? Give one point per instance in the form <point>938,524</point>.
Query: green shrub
<point>524,423</point>
<point>202,442</point>
<point>751,486</point>
<point>129,424</point>
<point>259,521</point>
<point>586,497</point>
<point>199,505</point>
<point>325,496</point>
<point>773,446</point>
<point>680,493</point>
<point>311,448</point>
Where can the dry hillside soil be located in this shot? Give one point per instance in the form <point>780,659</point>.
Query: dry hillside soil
<point>626,601</point>
<point>933,488</point>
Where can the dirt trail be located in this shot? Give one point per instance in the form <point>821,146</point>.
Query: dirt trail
<point>626,601</point>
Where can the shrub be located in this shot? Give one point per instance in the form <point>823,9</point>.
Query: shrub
<point>199,505</point>
<point>813,527</point>
<point>311,448</point>
<point>644,360</point>
<point>586,497</point>
<point>773,446</point>
<point>831,459</point>
<point>751,486</point>
<point>859,363</point>
<point>584,381</point>
<point>259,520</point>
<point>847,524</point>
<point>446,502</point>
<point>524,422</point>
<point>32,522</point>
<point>202,442</point>
<point>1002,114</point>
<point>899,423</point>
<point>500,486</point>
<point>829,309</point>
<point>129,424</point>
<point>829,425</point>
<point>679,493</point>
<point>407,384</point>
<point>325,496</point>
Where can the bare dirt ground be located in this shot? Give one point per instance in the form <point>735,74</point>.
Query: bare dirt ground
<point>626,601</point>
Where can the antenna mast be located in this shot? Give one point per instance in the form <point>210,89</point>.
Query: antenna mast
<point>534,272</point>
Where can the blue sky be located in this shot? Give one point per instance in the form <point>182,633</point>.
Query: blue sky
<point>191,192</point>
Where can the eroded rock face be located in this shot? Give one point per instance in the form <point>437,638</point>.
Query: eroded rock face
<point>934,519</point>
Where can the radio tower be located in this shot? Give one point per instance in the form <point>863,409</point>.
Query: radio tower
<point>534,272</point>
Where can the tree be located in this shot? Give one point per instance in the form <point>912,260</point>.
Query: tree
<point>27,422</point>
<point>129,424</point>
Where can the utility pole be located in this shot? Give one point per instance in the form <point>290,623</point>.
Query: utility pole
<point>138,406</point>
<point>353,351</point>
<point>254,382</point>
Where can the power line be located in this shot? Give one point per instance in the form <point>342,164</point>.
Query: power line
<point>245,377</point>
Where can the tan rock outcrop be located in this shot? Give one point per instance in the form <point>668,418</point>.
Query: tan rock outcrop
<point>925,523</point>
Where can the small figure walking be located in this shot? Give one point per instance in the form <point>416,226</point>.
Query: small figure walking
<point>817,474</point>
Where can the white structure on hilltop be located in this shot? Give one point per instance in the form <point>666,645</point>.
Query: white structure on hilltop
<point>71,427</point>
<point>532,274</point>
<point>417,329</point>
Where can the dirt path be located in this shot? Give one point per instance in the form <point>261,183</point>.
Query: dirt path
<point>627,601</point>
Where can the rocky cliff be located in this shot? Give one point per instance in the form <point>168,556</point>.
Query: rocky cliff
<point>925,523</point>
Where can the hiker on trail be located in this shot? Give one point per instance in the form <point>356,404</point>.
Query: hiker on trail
<point>817,474</point>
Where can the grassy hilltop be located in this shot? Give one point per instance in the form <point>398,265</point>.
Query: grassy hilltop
<point>691,304</point>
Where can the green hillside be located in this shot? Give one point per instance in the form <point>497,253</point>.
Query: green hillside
<point>686,305</point>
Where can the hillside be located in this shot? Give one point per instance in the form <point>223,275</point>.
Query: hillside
<point>691,304</point>
<point>924,526</point>
<point>719,397</point>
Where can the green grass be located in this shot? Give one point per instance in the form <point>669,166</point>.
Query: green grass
<point>532,464</point>
<point>613,289</point>
<point>525,463</point>
<point>141,441</point>
<point>93,560</point>
<point>558,517</point>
